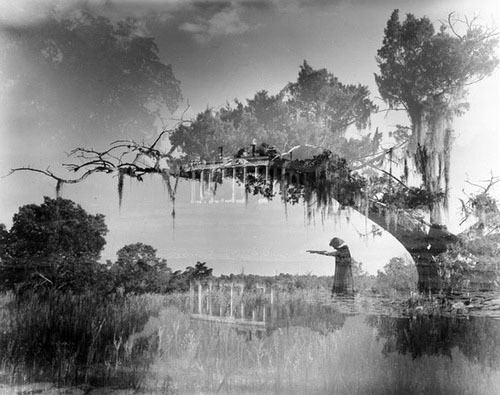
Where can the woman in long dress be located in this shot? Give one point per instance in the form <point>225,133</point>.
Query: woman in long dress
<point>342,281</point>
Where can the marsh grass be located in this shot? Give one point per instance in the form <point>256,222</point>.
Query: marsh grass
<point>149,343</point>
<point>72,339</point>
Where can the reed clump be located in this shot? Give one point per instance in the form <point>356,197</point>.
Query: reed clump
<point>71,339</point>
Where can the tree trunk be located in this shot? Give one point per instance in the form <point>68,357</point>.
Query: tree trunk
<point>430,147</point>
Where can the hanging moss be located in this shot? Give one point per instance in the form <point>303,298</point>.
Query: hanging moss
<point>171,190</point>
<point>121,175</point>
<point>59,188</point>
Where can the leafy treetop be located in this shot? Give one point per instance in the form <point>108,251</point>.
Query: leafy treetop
<point>424,70</point>
<point>57,227</point>
<point>315,110</point>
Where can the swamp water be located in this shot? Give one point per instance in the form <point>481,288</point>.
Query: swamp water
<point>310,343</point>
<point>327,345</point>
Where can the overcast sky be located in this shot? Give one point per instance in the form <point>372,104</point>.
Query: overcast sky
<point>222,50</point>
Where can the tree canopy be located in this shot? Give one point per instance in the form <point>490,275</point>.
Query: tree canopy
<point>54,244</point>
<point>428,71</point>
<point>317,109</point>
<point>139,270</point>
<point>57,227</point>
<point>83,74</point>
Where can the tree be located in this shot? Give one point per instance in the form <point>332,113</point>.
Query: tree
<point>82,74</point>
<point>202,137</point>
<point>200,271</point>
<point>427,73</point>
<point>4,240</point>
<point>317,109</point>
<point>57,227</point>
<point>139,270</point>
<point>54,244</point>
<point>319,96</point>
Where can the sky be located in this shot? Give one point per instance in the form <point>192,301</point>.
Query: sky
<point>226,50</point>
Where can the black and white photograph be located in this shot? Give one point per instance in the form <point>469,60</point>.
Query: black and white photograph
<point>249,197</point>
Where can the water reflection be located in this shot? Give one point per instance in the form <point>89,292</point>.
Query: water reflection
<point>304,343</point>
<point>478,338</point>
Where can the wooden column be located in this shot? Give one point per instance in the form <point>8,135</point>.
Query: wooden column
<point>242,305</point>
<point>191,297</point>
<point>200,306</point>
<point>202,186</point>
<point>210,189</point>
<point>231,302</point>
<point>209,298</point>
<point>221,299</point>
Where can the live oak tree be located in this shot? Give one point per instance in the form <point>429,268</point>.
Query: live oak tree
<point>427,74</point>
<point>316,109</point>
<point>319,96</point>
<point>139,270</point>
<point>52,245</point>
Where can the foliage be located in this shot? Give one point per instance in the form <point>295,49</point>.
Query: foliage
<point>4,242</point>
<point>471,264</point>
<point>180,280</point>
<point>57,226</point>
<point>316,109</point>
<point>319,96</point>
<point>363,281</point>
<point>424,70</point>
<point>397,195</point>
<point>53,245</point>
<point>139,270</point>
<point>84,72</point>
<point>317,181</point>
<point>484,208</point>
<point>202,138</point>
<point>398,276</point>
<point>426,73</point>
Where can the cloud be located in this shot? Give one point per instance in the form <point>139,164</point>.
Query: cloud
<point>32,11</point>
<point>224,23</point>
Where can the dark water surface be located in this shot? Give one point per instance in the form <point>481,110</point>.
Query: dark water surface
<point>313,343</point>
<point>468,322</point>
